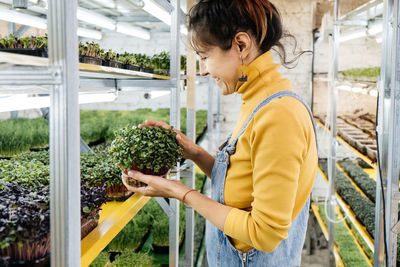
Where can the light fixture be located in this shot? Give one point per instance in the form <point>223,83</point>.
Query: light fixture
<point>96,98</point>
<point>106,3</point>
<point>344,88</point>
<point>157,11</point>
<point>21,18</point>
<point>156,93</point>
<point>91,34</point>
<point>133,31</point>
<point>184,29</point>
<point>40,23</point>
<point>373,92</point>
<point>375,28</point>
<point>351,36</point>
<point>95,19</point>
<point>24,101</point>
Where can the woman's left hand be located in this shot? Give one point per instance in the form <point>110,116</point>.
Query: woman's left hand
<point>157,186</point>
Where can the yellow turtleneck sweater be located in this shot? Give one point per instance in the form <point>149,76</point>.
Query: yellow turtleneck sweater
<point>271,175</point>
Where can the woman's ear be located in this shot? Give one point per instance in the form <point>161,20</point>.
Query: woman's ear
<point>243,43</point>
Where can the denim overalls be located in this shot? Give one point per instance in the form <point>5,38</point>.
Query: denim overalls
<point>220,252</point>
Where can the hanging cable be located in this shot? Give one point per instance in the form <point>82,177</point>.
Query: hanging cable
<point>378,162</point>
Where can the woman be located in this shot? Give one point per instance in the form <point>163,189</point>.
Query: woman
<point>263,175</point>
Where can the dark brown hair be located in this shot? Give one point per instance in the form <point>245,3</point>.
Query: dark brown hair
<point>216,22</point>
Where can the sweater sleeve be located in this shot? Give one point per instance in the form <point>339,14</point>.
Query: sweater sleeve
<point>278,144</point>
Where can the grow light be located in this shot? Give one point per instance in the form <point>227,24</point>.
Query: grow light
<point>375,28</point>
<point>158,12</point>
<point>24,101</point>
<point>40,23</point>
<point>133,31</point>
<point>95,19</point>
<point>91,34</point>
<point>353,35</point>
<point>20,18</point>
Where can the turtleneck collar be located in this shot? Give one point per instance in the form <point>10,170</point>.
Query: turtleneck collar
<point>262,78</point>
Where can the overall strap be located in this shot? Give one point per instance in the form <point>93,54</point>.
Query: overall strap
<point>231,148</point>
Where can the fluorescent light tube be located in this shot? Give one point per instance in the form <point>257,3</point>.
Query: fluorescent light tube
<point>20,18</point>
<point>33,21</point>
<point>24,102</point>
<point>96,98</point>
<point>95,19</point>
<point>157,11</point>
<point>133,31</point>
<point>156,94</point>
<point>375,28</point>
<point>352,35</point>
<point>91,34</point>
<point>106,3</point>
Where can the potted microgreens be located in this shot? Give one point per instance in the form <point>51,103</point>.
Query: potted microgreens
<point>33,46</point>
<point>150,150</point>
<point>24,225</point>
<point>129,62</point>
<point>110,58</point>
<point>89,53</point>
<point>91,200</point>
<point>100,169</point>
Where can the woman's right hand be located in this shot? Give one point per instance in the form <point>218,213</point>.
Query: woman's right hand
<point>190,149</point>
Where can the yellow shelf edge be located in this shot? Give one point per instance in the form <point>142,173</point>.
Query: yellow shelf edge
<point>359,154</point>
<point>98,239</point>
<point>350,214</point>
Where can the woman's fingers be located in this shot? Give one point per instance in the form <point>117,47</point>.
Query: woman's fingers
<point>152,123</point>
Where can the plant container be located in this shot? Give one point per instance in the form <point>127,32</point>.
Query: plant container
<point>37,52</point>
<point>92,60</point>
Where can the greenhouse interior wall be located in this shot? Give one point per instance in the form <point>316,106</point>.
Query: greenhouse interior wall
<point>311,23</point>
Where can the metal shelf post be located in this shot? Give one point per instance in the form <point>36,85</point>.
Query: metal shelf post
<point>175,122</point>
<point>388,137</point>
<point>333,72</point>
<point>64,135</point>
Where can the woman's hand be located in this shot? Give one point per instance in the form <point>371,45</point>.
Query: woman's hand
<point>157,186</point>
<point>190,149</point>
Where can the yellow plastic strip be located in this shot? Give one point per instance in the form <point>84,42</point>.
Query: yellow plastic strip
<point>359,154</point>
<point>97,240</point>
<point>352,217</point>
<point>371,172</point>
<point>324,228</point>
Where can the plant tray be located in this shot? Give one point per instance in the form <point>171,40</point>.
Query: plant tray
<point>131,67</point>
<point>146,69</point>
<point>87,225</point>
<point>37,52</point>
<point>92,60</point>
<point>118,193</point>
<point>43,262</point>
<point>115,64</point>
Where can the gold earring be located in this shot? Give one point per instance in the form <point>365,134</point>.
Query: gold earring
<point>243,77</point>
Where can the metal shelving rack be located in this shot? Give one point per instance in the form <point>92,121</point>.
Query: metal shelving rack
<point>61,78</point>
<point>388,127</point>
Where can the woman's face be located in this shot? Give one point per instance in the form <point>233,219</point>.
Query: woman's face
<point>222,66</point>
